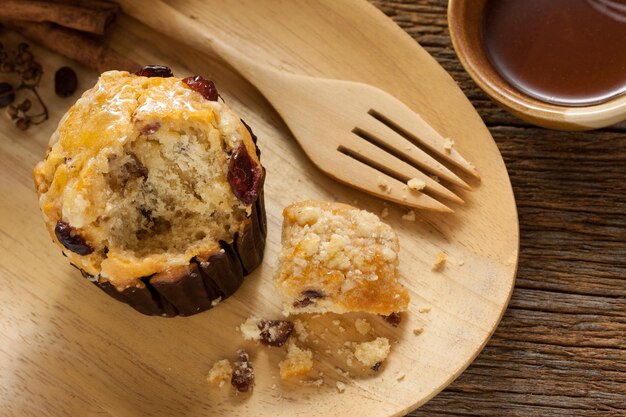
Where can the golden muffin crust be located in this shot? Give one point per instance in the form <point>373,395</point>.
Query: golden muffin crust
<point>337,258</point>
<point>137,170</point>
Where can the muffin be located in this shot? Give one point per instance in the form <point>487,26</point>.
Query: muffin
<point>337,258</point>
<point>153,188</point>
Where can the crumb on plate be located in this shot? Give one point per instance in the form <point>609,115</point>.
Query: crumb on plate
<point>298,361</point>
<point>416,184</point>
<point>372,353</point>
<point>362,326</point>
<point>220,372</point>
<point>440,262</point>
<point>409,216</point>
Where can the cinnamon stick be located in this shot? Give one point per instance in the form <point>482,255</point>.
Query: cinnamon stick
<point>76,16</point>
<point>92,4</point>
<point>74,45</point>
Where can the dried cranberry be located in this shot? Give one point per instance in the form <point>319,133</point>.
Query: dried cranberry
<point>243,374</point>
<point>155,71</point>
<point>308,298</point>
<point>71,240</point>
<point>393,319</point>
<point>244,175</point>
<point>150,128</point>
<point>275,332</point>
<point>202,86</point>
<point>65,82</point>
<point>134,168</point>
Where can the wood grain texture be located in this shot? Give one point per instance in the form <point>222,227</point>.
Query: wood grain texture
<point>560,349</point>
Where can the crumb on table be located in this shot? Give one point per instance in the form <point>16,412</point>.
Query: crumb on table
<point>341,387</point>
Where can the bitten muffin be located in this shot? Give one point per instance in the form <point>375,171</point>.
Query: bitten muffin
<point>152,187</point>
<point>337,258</point>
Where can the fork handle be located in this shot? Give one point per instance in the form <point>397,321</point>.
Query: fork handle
<point>164,18</point>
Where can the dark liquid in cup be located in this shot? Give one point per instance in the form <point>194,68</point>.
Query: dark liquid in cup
<point>569,52</point>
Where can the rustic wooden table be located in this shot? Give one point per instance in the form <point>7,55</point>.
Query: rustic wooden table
<point>561,348</point>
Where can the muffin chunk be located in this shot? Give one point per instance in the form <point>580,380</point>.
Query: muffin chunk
<point>337,258</point>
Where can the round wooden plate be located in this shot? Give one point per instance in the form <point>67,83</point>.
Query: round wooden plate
<point>67,349</point>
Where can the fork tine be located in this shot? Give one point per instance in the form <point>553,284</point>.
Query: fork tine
<point>400,169</point>
<point>407,149</point>
<point>396,114</point>
<point>359,175</point>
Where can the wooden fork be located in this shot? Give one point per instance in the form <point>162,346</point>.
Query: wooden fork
<point>356,133</point>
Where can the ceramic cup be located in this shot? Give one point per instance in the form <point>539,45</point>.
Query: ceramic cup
<point>465,22</point>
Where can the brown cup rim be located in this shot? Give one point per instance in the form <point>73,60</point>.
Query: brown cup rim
<point>464,22</point>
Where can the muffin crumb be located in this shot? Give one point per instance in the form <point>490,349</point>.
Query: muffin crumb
<point>372,353</point>
<point>382,183</point>
<point>362,326</point>
<point>400,377</point>
<point>384,213</point>
<point>220,372</point>
<point>425,309</point>
<point>250,330</point>
<point>449,143</point>
<point>417,331</point>
<point>409,216</point>
<point>301,330</point>
<point>440,261</point>
<point>298,361</point>
<point>341,387</point>
<point>416,184</point>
